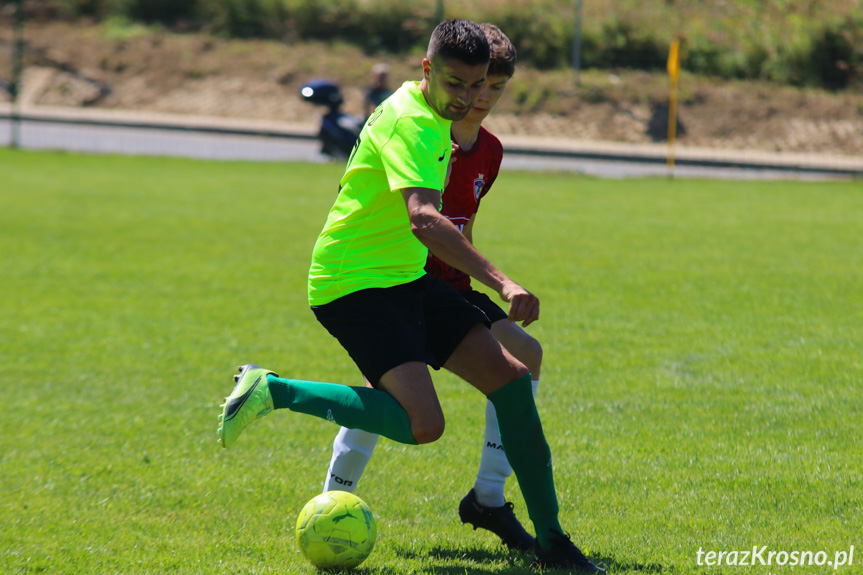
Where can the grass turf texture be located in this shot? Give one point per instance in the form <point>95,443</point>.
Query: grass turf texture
<point>701,385</point>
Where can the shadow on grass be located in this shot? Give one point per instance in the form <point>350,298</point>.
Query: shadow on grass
<point>481,560</point>
<point>615,565</point>
<point>472,559</point>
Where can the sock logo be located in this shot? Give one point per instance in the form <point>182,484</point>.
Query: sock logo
<point>330,415</point>
<point>341,481</point>
<point>493,445</point>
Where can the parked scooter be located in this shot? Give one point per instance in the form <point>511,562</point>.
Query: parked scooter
<point>339,131</point>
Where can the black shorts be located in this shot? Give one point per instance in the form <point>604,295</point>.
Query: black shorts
<point>493,311</point>
<point>382,328</point>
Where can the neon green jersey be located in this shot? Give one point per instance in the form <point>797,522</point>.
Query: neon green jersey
<point>367,240</point>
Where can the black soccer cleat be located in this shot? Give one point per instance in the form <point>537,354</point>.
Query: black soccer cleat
<point>499,520</point>
<point>563,554</point>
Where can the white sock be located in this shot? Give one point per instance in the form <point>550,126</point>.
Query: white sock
<point>352,449</point>
<point>494,467</point>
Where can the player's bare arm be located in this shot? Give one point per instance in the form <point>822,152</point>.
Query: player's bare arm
<point>443,239</point>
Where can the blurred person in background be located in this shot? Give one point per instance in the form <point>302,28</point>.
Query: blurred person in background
<point>379,90</point>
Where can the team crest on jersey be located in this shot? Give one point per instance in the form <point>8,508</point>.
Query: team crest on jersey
<point>478,184</point>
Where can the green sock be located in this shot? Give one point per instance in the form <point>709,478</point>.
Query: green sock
<point>528,453</point>
<point>352,407</point>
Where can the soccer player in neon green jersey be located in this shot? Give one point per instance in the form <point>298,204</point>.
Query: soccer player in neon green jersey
<point>474,171</point>
<point>367,286</point>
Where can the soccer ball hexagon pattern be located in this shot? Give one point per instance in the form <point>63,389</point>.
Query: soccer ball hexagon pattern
<point>336,530</point>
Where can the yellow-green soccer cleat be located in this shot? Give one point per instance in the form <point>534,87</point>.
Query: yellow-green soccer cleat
<point>249,401</point>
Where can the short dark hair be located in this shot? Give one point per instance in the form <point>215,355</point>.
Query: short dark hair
<point>503,54</point>
<point>460,40</point>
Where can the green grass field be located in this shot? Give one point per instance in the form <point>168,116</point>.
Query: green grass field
<point>701,386</point>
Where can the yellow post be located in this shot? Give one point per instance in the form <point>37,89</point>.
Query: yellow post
<point>674,75</point>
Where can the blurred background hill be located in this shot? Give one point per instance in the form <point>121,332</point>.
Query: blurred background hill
<point>777,75</point>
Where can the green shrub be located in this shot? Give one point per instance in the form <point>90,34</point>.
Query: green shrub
<point>836,56</point>
<point>702,55</point>
<point>540,36</point>
<point>164,11</point>
<point>86,8</point>
<point>245,18</point>
<point>394,25</point>
<point>324,20</point>
<point>622,44</point>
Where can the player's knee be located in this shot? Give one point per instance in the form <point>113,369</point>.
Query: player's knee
<point>533,355</point>
<point>528,351</point>
<point>427,431</point>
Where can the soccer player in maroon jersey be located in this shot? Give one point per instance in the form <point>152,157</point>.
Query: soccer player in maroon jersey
<point>477,156</point>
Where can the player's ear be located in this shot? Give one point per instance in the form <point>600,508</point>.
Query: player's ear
<point>426,68</point>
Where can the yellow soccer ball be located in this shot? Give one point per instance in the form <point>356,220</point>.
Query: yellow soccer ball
<point>336,530</point>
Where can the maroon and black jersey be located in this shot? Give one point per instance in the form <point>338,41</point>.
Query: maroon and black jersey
<point>472,176</point>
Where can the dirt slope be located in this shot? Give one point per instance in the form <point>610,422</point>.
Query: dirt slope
<point>137,68</point>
